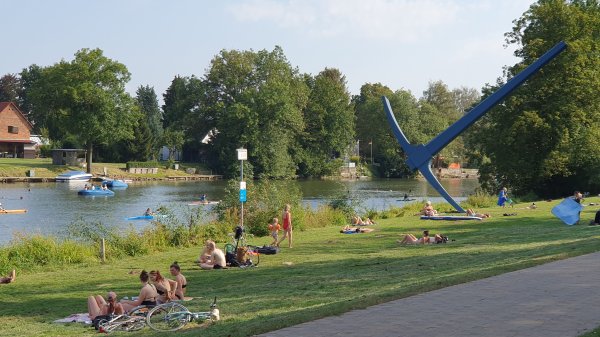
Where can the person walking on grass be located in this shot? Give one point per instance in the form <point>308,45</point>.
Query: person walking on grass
<point>287,226</point>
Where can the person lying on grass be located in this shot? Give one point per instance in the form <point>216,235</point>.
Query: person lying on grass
<point>411,239</point>
<point>471,212</point>
<point>358,221</point>
<point>97,306</point>
<point>352,230</point>
<point>10,278</point>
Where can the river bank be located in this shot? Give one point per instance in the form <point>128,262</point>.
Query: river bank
<point>42,170</point>
<point>326,273</point>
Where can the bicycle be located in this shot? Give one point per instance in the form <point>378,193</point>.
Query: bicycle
<point>132,321</point>
<point>239,253</point>
<point>173,316</point>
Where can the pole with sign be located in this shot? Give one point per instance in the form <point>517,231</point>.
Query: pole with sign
<point>242,155</point>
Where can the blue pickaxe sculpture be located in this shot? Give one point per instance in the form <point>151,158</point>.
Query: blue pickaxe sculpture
<point>420,156</point>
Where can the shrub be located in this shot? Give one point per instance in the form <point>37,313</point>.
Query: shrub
<point>479,200</point>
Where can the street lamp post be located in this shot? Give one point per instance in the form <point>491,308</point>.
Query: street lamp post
<point>242,155</point>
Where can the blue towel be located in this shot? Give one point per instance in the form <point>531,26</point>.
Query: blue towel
<point>568,211</point>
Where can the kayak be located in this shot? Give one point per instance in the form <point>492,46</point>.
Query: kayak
<point>141,217</point>
<point>12,211</point>
<point>409,199</point>
<point>198,203</point>
<point>96,192</point>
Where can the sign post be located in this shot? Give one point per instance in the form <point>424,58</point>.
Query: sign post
<point>242,155</point>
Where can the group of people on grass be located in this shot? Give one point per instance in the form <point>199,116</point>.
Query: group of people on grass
<point>155,290</point>
<point>274,227</point>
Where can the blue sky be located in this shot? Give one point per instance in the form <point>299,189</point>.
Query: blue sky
<point>400,43</point>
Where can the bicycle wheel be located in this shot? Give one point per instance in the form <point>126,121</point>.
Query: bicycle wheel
<point>168,317</point>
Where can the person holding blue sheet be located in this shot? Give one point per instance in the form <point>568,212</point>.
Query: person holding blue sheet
<point>503,198</point>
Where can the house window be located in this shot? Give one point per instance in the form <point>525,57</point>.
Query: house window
<point>13,129</point>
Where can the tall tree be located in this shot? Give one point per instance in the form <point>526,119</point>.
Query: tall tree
<point>372,125</point>
<point>9,88</point>
<point>255,100</point>
<point>180,100</point>
<point>86,98</point>
<point>544,138</point>
<point>329,119</point>
<point>147,103</point>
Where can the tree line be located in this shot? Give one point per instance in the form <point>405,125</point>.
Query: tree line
<point>542,139</point>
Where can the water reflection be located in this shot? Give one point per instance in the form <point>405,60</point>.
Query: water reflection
<point>52,206</point>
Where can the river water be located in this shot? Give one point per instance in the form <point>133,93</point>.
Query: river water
<point>51,207</point>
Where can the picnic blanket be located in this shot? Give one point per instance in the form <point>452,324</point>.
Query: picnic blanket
<point>568,211</point>
<point>76,318</point>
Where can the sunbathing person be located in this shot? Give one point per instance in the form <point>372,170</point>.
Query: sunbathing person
<point>428,209</point>
<point>471,212</point>
<point>411,239</point>
<point>358,221</point>
<point>97,306</point>
<point>148,294</point>
<point>181,281</point>
<point>162,286</point>
<point>212,257</point>
<point>352,230</point>
<point>10,278</point>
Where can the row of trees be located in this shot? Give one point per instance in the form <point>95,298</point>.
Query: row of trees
<point>292,123</point>
<point>543,138</point>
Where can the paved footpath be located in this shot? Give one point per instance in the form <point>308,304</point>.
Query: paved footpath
<point>555,299</point>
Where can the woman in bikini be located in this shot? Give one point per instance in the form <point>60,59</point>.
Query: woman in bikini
<point>181,281</point>
<point>148,294</point>
<point>97,306</point>
<point>162,285</point>
<point>287,226</point>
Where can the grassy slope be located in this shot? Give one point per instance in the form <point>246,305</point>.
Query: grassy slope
<point>330,273</point>
<point>18,167</point>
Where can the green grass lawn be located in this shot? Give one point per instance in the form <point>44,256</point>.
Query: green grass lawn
<point>18,167</point>
<point>326,273</point>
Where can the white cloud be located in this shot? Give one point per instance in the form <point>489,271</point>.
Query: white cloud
<point>399,20</point>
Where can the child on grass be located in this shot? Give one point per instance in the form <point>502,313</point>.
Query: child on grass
<point>274,228</point>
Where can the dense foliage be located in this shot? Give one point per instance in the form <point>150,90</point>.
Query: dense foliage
<point>545,137</point>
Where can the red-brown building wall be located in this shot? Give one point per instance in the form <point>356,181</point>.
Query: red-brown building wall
<point>10,116</point>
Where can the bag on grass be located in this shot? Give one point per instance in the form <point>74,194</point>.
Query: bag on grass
<point>267,250</point>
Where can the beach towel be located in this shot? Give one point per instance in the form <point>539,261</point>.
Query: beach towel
<point>568,211</point>
<point>76,318</point>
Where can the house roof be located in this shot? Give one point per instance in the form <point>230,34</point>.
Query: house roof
<point>4,105</point>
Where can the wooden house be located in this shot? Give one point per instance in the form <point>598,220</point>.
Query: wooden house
<point>15,131</point>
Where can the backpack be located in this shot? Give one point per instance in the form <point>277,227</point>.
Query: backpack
<point>231,260</point>
<point>267,250</point>
<point>100,319</point>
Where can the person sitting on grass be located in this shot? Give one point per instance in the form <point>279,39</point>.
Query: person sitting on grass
<point>352,230</point>
<point>97,306</point>
<point>428,209</point>
<point>162,286</point>
<point>471,212</point>
<point>148,294</point>
<point>10,278</point>
<point>180,279</point>
<point>212,257</point>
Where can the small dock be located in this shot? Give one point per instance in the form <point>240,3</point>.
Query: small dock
<point>26,179</point>
<point>195,177</point>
